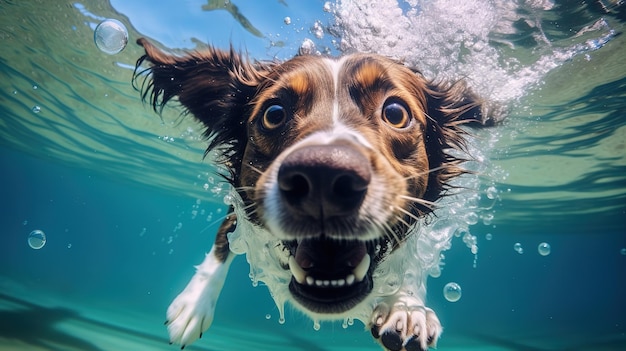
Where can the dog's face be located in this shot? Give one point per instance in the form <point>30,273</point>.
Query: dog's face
<point>337,158</point>
<point>335,166</point>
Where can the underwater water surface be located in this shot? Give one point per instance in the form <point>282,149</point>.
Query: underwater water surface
<point>107,206</point>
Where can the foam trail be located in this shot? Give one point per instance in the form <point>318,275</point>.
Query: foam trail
<point>450,39</point>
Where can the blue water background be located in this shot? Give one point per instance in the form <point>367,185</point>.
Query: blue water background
<point>117,241</point>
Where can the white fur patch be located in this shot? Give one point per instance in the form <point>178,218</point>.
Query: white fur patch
<point>191,312</point>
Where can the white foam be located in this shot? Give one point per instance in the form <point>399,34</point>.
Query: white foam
<point>451,39</point>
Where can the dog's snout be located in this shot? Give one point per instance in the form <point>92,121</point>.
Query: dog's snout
<point>324,181</point>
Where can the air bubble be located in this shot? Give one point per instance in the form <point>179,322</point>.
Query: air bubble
<point>435,272</point>
<point>488,236</point>
<point>228,199</point>
<point>471,218</point>
<point>36,109</point>
<point>316,325</point>
<point>110,36</point>
<point>487,218</point>
<point>518,248</point>
<point>452,292</point>
<point>623,251</point>
<point>37,239</point>
<point>287,20</point>
<point>492,192</point>
<point>268,316</point>
<point>544,249</point>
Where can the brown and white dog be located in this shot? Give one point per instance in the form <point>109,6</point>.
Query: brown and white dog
<point>334,161</point>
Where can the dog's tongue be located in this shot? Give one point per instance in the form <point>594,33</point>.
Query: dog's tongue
<point>329,255</point>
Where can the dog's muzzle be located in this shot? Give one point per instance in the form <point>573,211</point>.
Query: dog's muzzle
<point>322,189</point>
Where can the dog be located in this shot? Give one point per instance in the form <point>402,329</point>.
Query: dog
<point>333,163</point>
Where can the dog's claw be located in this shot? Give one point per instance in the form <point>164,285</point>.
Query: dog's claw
<point>414,345</point>
<point>375,331</point>
<point>392,341</point>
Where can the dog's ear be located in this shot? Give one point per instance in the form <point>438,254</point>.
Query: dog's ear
<point>450,107</point>
<point>215,86</point>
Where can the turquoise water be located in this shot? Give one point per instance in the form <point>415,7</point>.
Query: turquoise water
<point>128,205</point>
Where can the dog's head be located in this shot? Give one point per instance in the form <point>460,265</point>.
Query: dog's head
<point>337,158</point>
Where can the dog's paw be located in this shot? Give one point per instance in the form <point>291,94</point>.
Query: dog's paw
<point>190,314</point>
<point>406,325</point>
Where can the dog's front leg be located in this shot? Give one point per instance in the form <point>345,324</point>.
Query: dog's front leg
<point>191,312</point>
<point>402,322</point>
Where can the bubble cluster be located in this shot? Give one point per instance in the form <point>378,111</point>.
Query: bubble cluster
<point>307,47</point>
<point>318,30</point>
<point>452,292</point>
<point>471,242</point>
<point>518,248</point>
<point>37,239</point>
<point>110,36</point>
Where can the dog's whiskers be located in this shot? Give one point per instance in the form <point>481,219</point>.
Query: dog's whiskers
<point>257,170</point>
<point>428,204</point>
<point>431,170</point>
<point>244,188</point>
<point>408,213</point>
<point>401,220</point>
<point>387,230</point>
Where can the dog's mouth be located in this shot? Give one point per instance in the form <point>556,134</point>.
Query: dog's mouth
<point>329,275</point>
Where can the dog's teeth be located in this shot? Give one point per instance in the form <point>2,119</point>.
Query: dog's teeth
<point>361,270</point>
<point>358,274</point>
<point>298,273</point>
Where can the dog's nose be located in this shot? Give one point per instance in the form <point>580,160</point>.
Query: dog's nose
<point>324,181</point>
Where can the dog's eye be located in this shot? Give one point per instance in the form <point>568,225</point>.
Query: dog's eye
<point>396,115</point>
<point>274,117</point>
